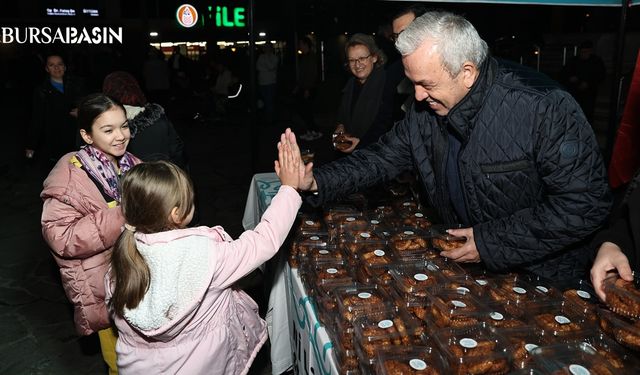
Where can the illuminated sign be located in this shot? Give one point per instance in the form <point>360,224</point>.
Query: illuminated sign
<point>61,12</point>
<point>228,16</point>
<point>187,15</point>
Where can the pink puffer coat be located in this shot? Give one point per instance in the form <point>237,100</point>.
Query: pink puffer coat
<point>81,228</point>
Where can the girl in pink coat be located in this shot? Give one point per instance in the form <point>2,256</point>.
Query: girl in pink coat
<point>81,216</point>
<point>171,288</point>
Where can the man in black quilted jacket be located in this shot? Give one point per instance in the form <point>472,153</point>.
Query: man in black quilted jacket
<point>500,149</point>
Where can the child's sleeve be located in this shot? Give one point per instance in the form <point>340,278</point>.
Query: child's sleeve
<point>233,260</point>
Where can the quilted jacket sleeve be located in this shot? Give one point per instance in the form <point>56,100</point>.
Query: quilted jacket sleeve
<point>576,197</point>
<point>378,162</point>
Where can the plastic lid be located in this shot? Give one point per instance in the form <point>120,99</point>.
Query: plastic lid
<point>417,364</point>
<point>578,370</point>
<point>420,277</point>
<point>584,294</point>
<point>468,343</point>
<point>496,316</point>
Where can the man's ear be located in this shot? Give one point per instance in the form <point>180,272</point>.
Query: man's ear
<point>469,74</point>
<point>86,137</point>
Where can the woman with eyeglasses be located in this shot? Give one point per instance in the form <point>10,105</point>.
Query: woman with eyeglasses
<point>365,111</point>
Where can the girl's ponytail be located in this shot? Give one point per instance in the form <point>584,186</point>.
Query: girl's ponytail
<point>130,273</point>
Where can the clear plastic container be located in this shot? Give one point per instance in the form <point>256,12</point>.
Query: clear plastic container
<point>622,329</point>
<point>473,350</point>
<point>417,360</point>
<point>418,306</point>
<point>417,220</point>
<point>333,212</point>
<point>330,253</point>
<point>347,361</point>
<point>478,286</point>
<point>623,297</point>
<point>416,280</point>
<point>447,266</point>
<point>522,342</point>
<point>544,287</point>
<point>559,320</point>
<point>384,330</point>
<point>516,289</point>
<point>311,224</point>
<point>447,242</point>
<point>500,316</point>
<point>302,245</point>
<point>360,300</point>
<point>454,308</point>
<point>615,355</point>
<point>571,359</point>
<point>409,243</point>
<point>351,223</point>
<point>375,263</point>
<point>582,296</point>
<point>408,205</point>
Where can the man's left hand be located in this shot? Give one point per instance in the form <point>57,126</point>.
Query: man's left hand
<point>467,253</point>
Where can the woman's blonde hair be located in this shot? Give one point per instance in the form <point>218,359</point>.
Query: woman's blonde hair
<point>150,191</point>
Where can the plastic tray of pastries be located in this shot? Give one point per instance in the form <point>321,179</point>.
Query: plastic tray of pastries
<point>447,266</point>
<point>582,296</point>
<point>623,330</point>
<point>514,288</point>
<point>359,300</point>
<point>415,280</point>
<point>623,297</point>
<point>417,360</point>
<point>473,350</point>
<point>407,205</point>
<point>362,239</point>
<point>383,330</point>
<point>501,316</point>
<point>303,243</point>
<point>522,341</point>
<point>417,220</point>
<point>560,320</point>
<point>478,286</point>
<point>407,242</point>
<point>375,263</point>
<point>454,308</point>
<point>329,253</point>
<point>311,223</point>
<point>617,356</point>
<point>544,287</point>
<point>575,358</point>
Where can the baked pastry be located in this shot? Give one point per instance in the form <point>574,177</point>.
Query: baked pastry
<point>556,324</point>
<point>448,244</point>
<point>580,299</point>
<point>396,367</point>
<point>629,337</point>
<point>486,363</point>
<point>623,298</point>
<point>417,220</point>
<point>499,320</point>
<point>453,311</point>
<point>408,242</point>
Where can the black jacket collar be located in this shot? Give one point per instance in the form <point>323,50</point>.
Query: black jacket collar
<point>460,117</point>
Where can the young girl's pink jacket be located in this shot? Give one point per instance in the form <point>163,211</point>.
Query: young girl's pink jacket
<point>81,228</point>
<point>192,320</point>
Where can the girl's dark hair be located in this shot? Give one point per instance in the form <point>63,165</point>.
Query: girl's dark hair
<point>150,191</point>
<point>92,106</point>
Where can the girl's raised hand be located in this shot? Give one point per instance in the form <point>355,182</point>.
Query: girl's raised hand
<point>288,165</point>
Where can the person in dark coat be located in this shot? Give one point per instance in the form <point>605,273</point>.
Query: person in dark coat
<point>153,136</point>
<point>619,244</point>
<point>53,131</point>
<point>365,111</point>
<point>500,150</point>
<point>582,76</point>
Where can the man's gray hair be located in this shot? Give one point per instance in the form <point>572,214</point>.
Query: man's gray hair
<point>456,40</point>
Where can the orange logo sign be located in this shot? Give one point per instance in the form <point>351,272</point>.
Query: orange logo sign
<point>187,15</point>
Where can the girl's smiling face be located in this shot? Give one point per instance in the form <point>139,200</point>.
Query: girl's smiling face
<point>109,133</point>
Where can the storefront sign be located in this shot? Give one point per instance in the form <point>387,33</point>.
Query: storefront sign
<point>187,15</point>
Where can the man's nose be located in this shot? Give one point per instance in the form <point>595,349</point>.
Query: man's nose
<point>420,93</point>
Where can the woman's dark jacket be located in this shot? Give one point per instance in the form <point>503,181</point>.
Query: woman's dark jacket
<point>53,131</point>
<point>372,113</point>
<point>532,176</point>
<point>624,225</point>
<point>153,137</point>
